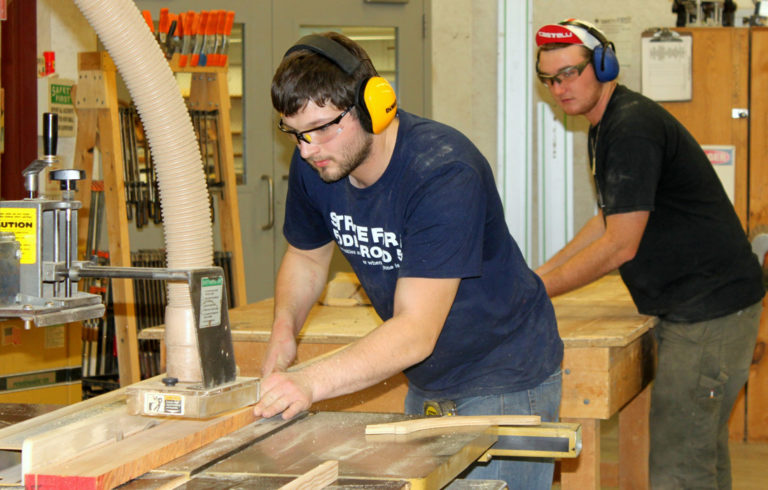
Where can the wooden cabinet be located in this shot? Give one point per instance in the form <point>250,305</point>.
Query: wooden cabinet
<point>730,71</point>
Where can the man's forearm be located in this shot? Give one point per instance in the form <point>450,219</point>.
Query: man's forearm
<point>617,245</point>
<point>300,281</point>
<point>588,234</point>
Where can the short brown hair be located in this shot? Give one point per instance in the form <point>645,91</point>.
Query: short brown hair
<point>305,76</point>
<point>555,46</point>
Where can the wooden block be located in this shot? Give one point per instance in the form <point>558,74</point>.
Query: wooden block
<point>95,60</point>
<point>319,477</point>
<point>634,442</point>
<point>583,473</point>
<point>591,391</point>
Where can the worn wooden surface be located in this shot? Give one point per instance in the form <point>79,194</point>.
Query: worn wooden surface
<point>600,314</point>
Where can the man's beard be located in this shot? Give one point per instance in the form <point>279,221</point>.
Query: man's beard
<point>350,159</point>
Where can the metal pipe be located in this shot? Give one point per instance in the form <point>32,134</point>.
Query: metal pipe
<point>76,273</point>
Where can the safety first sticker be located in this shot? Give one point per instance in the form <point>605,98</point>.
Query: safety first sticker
<point>22,222</point>
<point>211,295</point>
<point>156,403</point>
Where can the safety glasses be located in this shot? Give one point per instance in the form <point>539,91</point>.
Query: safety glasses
<point>564,75</point>
<point>316,136</point>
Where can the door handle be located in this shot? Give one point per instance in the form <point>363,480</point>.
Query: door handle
<point>270,205</point>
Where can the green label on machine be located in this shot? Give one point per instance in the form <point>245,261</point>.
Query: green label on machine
<point>211,295</point>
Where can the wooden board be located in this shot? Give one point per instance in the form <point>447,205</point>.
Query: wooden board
<point>758,144</point>
<point>415,425</point>
<point>319,477</point>
<point>757,393</point>
<point>107,466</point>
<point>95,443</point>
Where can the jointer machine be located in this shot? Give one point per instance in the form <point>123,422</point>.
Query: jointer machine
<point>167,433</point>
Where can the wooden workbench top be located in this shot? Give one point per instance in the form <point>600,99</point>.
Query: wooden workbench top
<point>600,314</point>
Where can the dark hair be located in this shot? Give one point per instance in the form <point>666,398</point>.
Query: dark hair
<point>305,76</point>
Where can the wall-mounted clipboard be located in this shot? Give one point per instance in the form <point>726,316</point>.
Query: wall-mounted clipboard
<point>666,64</point>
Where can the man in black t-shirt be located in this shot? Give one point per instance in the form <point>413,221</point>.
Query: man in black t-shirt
<point>665,222</point>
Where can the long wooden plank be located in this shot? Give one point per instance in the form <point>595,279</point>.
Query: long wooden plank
<point>415,425</point>
<point>108,467</point>
<point>98,431</point>
<point>12,438</point>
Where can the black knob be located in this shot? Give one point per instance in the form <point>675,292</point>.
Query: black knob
<point>50,133</point>
<point>170,381</point>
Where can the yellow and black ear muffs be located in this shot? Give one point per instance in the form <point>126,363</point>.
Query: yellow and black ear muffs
<point>604,59</point>
<point>375,98</point>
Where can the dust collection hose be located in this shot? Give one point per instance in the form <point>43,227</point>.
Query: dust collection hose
<point>184,196</point>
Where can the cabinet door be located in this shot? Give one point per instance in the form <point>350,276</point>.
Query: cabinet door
<point>393,35</point>
<point>720,84</point>
<point>757,392</point>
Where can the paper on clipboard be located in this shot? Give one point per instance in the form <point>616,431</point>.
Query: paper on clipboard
<point>667,65</point>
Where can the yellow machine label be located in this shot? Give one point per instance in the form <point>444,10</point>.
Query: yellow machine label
<point>22,222</point>
<point>156,403</point>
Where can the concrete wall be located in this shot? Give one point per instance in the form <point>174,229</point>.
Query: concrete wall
<point>464,57</point>
<point>623,23</point>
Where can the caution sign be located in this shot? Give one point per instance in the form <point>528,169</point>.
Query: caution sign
<point>22,222</point>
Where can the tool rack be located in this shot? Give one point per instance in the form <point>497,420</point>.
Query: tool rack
<point>98,126</point>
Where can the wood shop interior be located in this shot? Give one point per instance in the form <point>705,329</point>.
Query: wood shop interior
<point>113,287</point>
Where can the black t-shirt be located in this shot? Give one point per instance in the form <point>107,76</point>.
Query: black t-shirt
<point>694,262</point>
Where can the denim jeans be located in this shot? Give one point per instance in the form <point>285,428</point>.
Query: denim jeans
<point>701,369</point>
<point>518,473</point>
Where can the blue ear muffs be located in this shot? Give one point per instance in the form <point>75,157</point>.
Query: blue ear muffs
<point>605,63</point>
<point>604,59</point>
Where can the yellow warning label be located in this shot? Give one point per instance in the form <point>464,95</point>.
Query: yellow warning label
<point>22,222</point>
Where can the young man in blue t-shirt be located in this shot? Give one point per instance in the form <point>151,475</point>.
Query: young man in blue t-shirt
<point>413,206</point>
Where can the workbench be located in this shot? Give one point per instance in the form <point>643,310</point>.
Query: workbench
<point>608,364</point>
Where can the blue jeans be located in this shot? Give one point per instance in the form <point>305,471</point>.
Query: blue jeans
<point>701,369</point>
<point>518,473</point>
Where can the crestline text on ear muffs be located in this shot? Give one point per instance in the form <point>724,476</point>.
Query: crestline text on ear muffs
<point>375,98</point>
<point>604,59</point>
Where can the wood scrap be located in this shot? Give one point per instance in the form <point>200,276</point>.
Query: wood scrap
<point>414,425</point>
<point>319,477</point>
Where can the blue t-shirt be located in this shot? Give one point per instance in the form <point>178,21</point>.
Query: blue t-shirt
<point>436,213</point>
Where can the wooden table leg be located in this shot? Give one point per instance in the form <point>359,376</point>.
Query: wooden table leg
<point>634,442</point>
<point>583,472</point>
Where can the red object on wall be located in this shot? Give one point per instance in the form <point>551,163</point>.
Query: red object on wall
<point>3,10</point>
<point>19,79</point>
